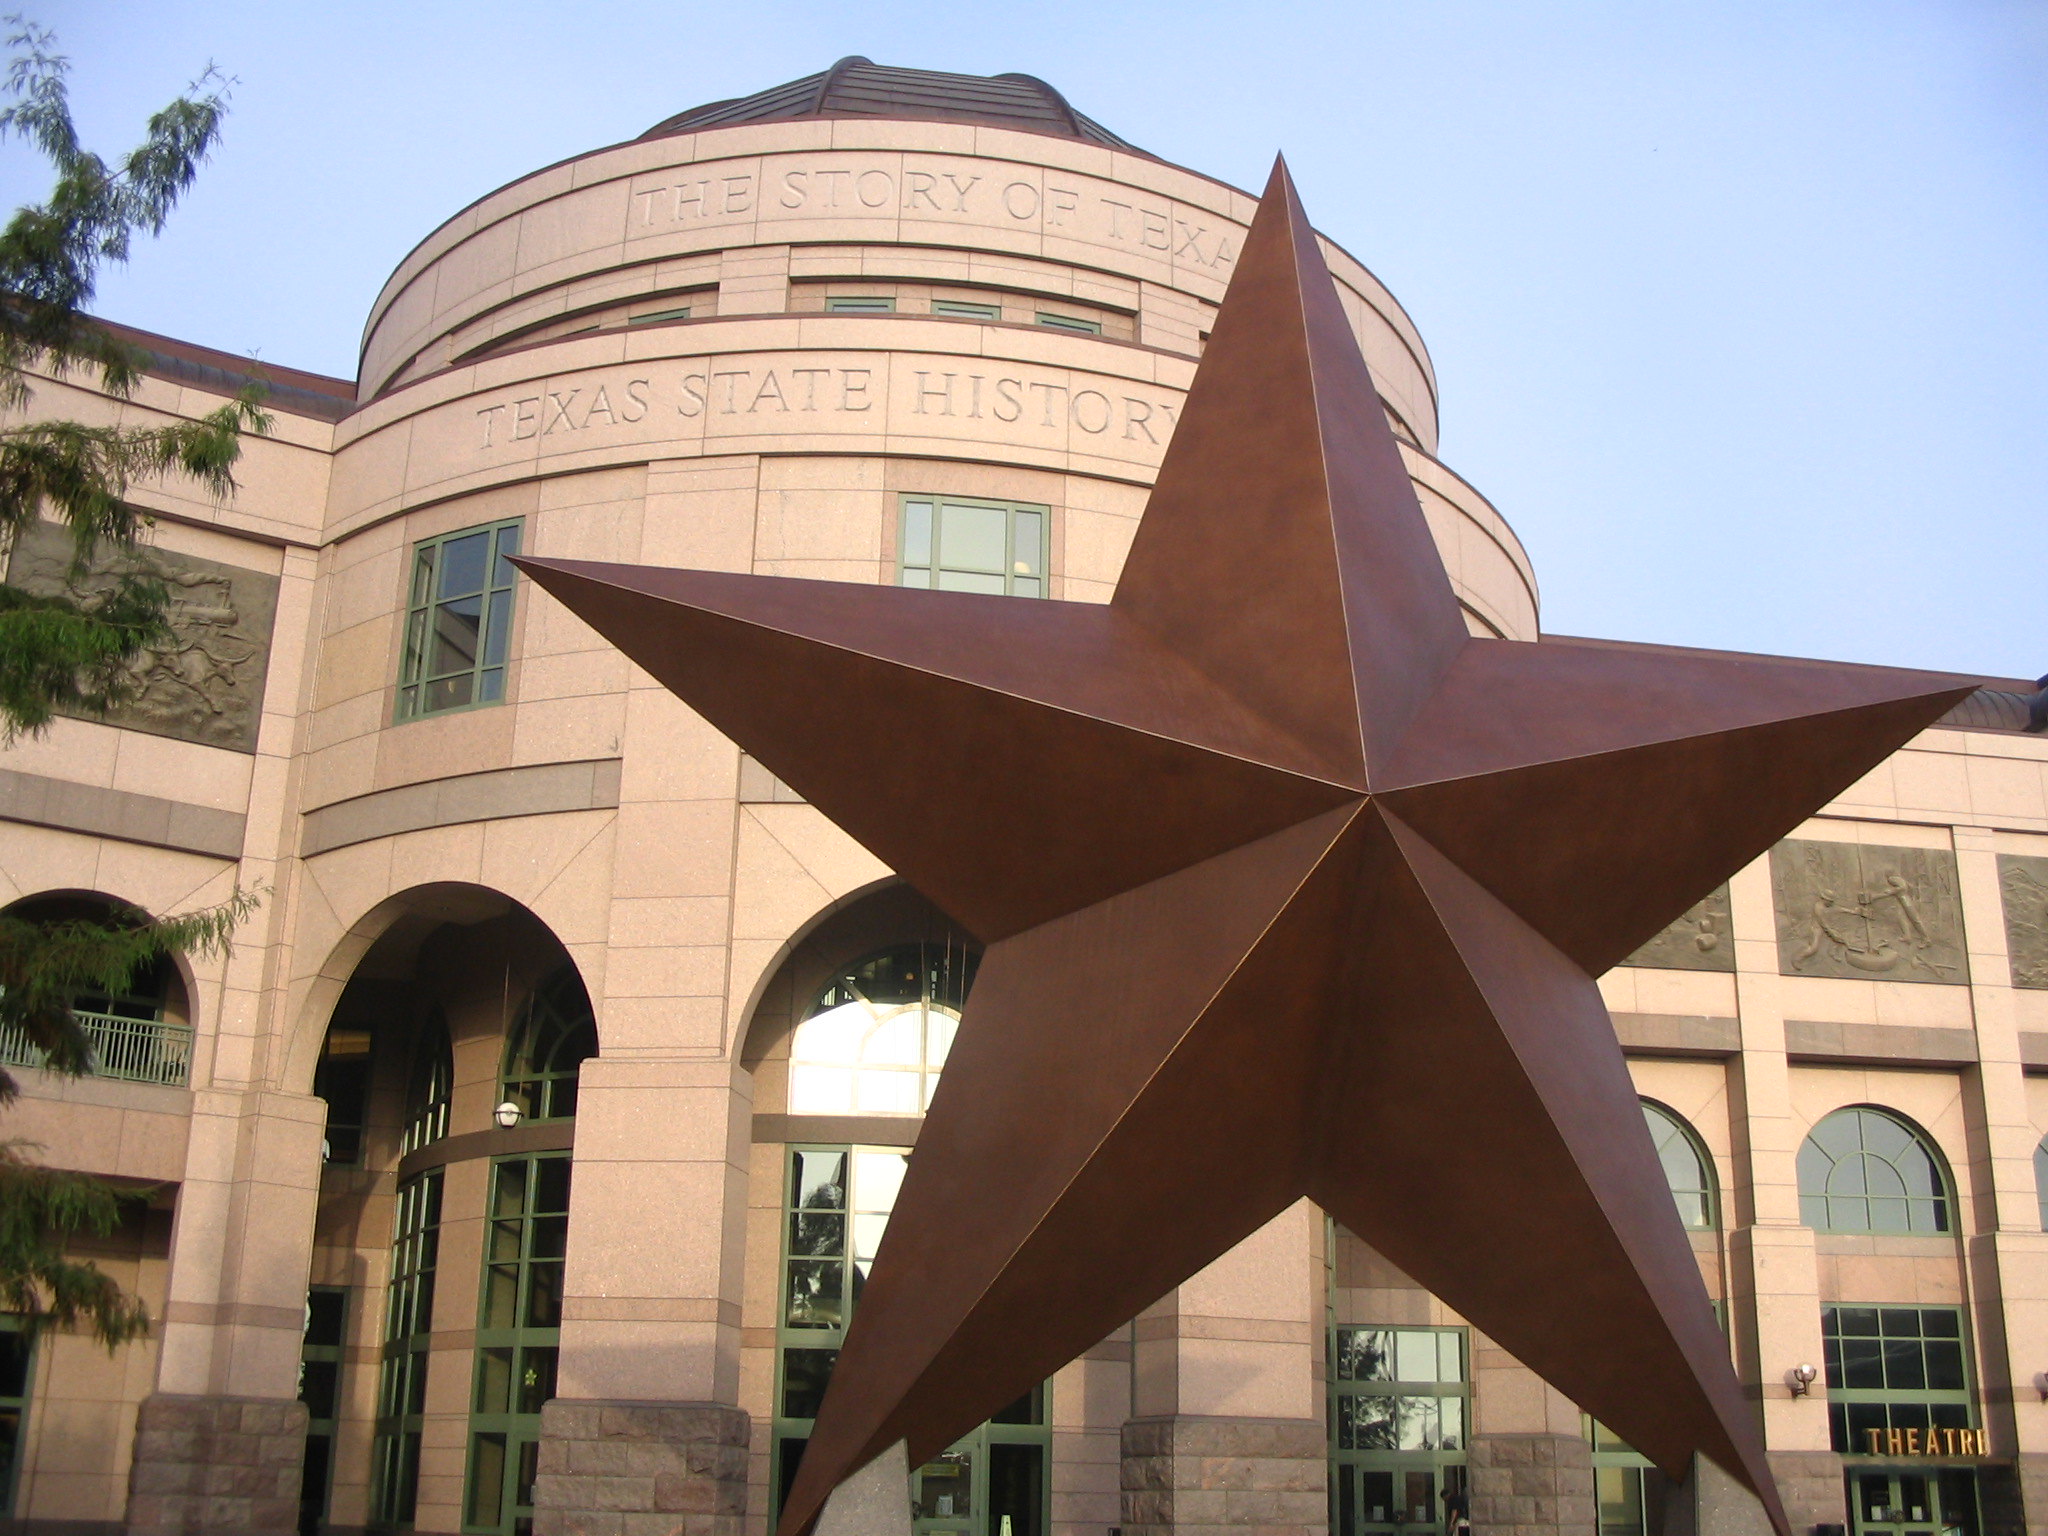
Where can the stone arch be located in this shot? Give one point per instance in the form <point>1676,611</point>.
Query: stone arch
<point>401,921</point>
<point>181,999</point>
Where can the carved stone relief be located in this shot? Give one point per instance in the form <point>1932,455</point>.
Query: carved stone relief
<point>1868,913</point>
<point>1702,940</point>
<point>2024,882</point>
<point>205,683</point>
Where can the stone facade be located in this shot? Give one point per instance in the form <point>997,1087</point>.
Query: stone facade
<point>1190,1474</point>
<point>1532,1485</point>
<point>207,1464</point>
<point>645,354</point>
<point>641,1469</point>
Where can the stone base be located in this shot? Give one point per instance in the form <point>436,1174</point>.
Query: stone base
<point>1185,1475</point>
<point>1531,1485</point>
<point>1710,1502</point>
<point>1810,1484</point>
<point>2013,1499</point>
<point>216,1464</point>
<point>875,1501</point>
<point>641,1469</point>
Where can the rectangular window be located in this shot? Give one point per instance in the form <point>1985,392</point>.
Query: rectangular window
<point>1400,1406</point>
<point>518,1337</point>
<point>320,1357</point>
<point>1898,1369</point>
<point>458,621</point>
<point>961,545</point>
<point>859,304</point>
<point>836,1202</point>
<point>17,1372</point>
<point>659,314</point>
<point>1071,323</point>
<point>408,1337</point>
<point>963,309</point>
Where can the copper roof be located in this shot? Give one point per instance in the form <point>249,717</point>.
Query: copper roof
<point>858,87</point>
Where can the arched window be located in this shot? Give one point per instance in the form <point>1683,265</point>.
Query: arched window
<point>876,1038</point>
<point>1863,1170</point>
<point>1687,1167</point>
<point>427,1086</point>
<point>546,1048</point>
<point>2041,1180</point>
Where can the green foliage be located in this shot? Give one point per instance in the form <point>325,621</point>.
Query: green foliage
<point>71,651</point>
<point>39,1209</point>
<point>44,965</point>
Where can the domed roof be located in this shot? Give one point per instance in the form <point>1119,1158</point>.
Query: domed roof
<point>858,87</point>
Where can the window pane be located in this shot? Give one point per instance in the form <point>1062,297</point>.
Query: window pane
<point>973,538</point>
<point>502,570</point>
<point>457,625</point>
<point>462,565</point>
<point>971,581</point>
<point>448,693</point>
<point>815,1234</point>
<point>917,533</point>
<point>423,575</point>
<point>805,1374</point>
<point>536,1378</point>
<point>814,1293</point>
<point>877,1178</point>
<point>818,1180</point>
<point>551,1184</point>
<point>1415,1357</point>
<point>486,1479</point>
<point>1025,556</point>
<point>498,631</point>
<point>493,1380</point>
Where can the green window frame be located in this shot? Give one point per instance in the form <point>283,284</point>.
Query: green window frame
<point>408,1345</point>
<point>1688,1167</point>
<point>1863,1169</point>
<point>967,309</point>
<point>859,304</point>
<point>2041,1180</point>
<point>836,1203</point>
<point>965,544</point>
<point>1628,1490</point>
<point>458,620</point>
<point>429,1083</point>
<point>1400,1421</point>
<point>1072,323</point>
<point>321,1355</point>
<point>17,1383</point>
<point>342,1078</point>
<point>546,1047</point>
<point>681,313</point>
<point>1895,1368</point>
<point>518,1337</point>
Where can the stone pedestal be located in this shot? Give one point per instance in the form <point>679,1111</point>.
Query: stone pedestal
<point>1531,1485</point>
<point>216,1464</point>
<point>1184,1475</point>
<point>1710,1502</point>
<point>641,1469</point>
<point>875,1501</point>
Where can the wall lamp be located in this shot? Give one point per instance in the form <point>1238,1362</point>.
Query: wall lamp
<point>506,1114</point>
<point>2041,1385</point>
<point>1800,1379</point>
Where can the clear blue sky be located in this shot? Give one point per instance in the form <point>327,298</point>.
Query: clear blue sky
<point>1738,309</point>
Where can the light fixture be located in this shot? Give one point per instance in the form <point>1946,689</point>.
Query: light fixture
<point>506,1114</point>
<point>2041,1385</point>
<point>1801,1379</point>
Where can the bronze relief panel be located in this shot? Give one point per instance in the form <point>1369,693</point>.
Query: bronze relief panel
<point>205,683</point>
<point>1701,940</point>
<point>1868,913</point>
<point>2024,883</point>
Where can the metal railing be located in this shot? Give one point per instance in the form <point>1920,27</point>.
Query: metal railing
<point>132,1050</point>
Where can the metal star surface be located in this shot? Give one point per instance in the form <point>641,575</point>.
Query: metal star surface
<point>1290,887</point>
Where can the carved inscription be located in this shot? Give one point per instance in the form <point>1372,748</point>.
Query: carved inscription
<point>709,390</point>
<point>205,683</point>
<point>1869,913</point>
<point>1701,940</point>
<point>968,191</point>
<point>2024,883</point>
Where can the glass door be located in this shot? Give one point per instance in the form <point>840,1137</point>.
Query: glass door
<point>1378,1501</point>
<point>1885,1501</point>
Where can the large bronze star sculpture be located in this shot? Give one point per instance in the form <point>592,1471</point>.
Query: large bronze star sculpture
<point>1290,886</point>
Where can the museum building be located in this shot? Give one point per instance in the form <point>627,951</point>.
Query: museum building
<point>521,1167</point>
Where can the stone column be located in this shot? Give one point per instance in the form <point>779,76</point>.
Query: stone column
<point>1773,1271</point>
<point>1227,1431</point>
<point>1529,1467</point>
<point>644,1433</point>
<point>220,1444</point>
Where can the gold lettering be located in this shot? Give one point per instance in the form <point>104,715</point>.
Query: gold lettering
<point>1894,1442</point>
<point>1876,1439</point>
<point>1913,1442</point>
